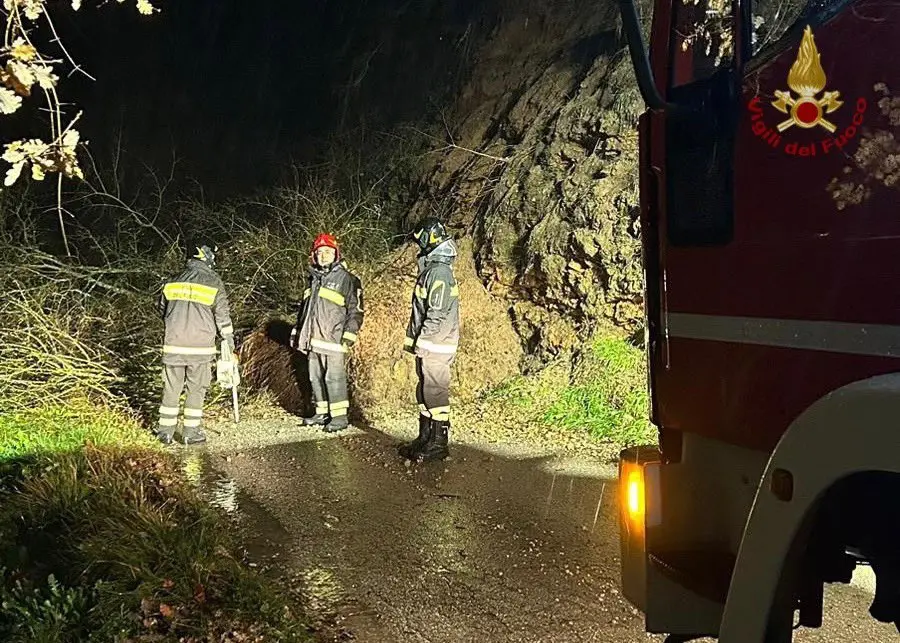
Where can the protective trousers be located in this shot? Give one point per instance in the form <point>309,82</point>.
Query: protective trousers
<point>328,378</point>
<point>197,377</point>
<point>433,391</point>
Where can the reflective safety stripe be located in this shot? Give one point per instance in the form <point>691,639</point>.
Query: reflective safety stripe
<point>876,340</point>
<point>408,341</point>
<point>424,410</point>
<point>351,336</point>
<point>306,293</point>
<point>336,413</point>
<point>227,330</point>
<point>192,424</point>
<point>186,291</point>
<point>421,293</point>
<point>339,405</point>
<point>168,421</point>
<point>189,350</point>
<point>168,410</point>
<point>193,413</point>
<point>328,346</point>
<point>321,408</point>
<point>440,413</point>
<point>454,292</point>
<point>332,296</point>
<point>436,295</point>
<point>436,348</point>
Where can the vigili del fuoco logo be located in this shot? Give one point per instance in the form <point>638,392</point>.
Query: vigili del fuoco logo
<point>806,109</point>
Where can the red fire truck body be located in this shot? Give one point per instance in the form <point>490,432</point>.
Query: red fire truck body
<point>771,239</point>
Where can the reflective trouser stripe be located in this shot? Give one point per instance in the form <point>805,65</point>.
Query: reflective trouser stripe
<point>192,423</point>
<point>440,413</point>
<point>193,413</point>
<point>168,415</point>
<point>321,408</point>
<point>424,410</point>
<point>339,408</point>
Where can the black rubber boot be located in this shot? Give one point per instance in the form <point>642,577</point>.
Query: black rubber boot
<point>197,437</point>
<point>319,419</point>
<point>410,449</point>
<point>436,447</point>
<point>336,424</point>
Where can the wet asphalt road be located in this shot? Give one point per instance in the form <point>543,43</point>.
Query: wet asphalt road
<point>484,548</point>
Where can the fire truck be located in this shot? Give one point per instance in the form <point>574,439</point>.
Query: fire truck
<point>770,218</point>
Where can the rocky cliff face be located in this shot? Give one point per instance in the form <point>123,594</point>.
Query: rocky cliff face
<point>539,166</point>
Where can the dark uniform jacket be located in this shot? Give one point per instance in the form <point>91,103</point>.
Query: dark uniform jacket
<point>434,322</point>
<point>194,307</point>
<point>331,313</point>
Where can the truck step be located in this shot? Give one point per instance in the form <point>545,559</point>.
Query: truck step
<point>706,573</point>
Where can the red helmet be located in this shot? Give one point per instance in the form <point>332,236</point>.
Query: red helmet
<point>325,241</point>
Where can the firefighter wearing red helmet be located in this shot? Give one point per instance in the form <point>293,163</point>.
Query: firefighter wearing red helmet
<point>328,324</point>
<point>432,335</point>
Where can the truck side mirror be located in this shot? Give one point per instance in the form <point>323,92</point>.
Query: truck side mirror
<point>641,61</point>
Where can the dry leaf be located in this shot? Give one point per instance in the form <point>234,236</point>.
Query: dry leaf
<point>12,174</point>
<point>21,50</point>
<point>9,101</point>
<point>44,76</point>
<point>166,610</point>
<point>12,82</point>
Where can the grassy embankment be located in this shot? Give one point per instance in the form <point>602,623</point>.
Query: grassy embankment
<point>604,393</point>
<point>102,539</point>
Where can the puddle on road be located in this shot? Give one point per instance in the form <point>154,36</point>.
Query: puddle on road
<point>217,488</point>
<point>318,591</point>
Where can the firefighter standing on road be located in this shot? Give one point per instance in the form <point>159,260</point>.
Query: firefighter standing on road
<point>195,308</point>
<point>432,336</point>
<point>328,323</point>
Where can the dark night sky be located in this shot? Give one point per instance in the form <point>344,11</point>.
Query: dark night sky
<point>240,88</point>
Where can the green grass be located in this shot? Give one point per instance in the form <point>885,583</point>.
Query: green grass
<point>103,539</point>
<point>608,395</point>
<point>62,429</point>
<point>604,393</point>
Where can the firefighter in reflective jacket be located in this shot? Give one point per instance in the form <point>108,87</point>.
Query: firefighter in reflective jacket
<point>195,308</point>
<point>432,336</point>
<point>328,324</point>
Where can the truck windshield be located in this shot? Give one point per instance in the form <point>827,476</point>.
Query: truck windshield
<point>702,39</point>
<point>702,32</point>
<point>773,20</point>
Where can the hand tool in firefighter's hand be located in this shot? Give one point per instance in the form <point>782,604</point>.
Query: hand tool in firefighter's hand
<point>228,376</point>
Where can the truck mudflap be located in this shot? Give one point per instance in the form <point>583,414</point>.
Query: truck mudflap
<point>638,508</point>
